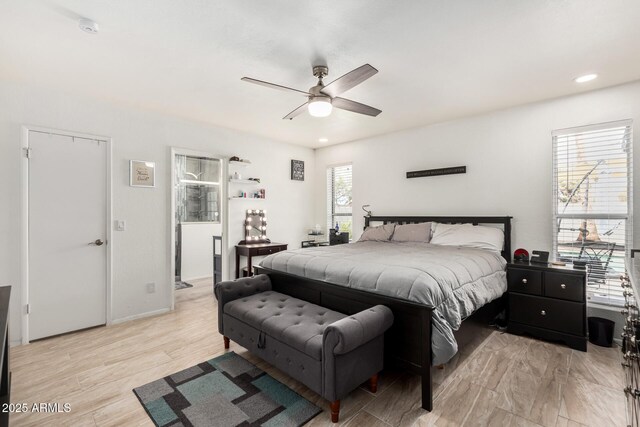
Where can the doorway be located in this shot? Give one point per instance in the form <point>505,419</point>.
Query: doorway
<point>66,235</point>
<point>198,220</point>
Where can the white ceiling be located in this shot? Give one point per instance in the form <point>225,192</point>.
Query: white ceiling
<point>438,60</point>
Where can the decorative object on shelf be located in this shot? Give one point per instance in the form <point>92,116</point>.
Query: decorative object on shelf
<point>436,172</point>
<point>540,257</point>
<point>521,255</point>
<point>142,173</point>
<point>255,225</point>
<point>297,170</point>
<point>239,161</point>
<point>368,211</point>
<point>316,231</point>
<point>257,180</point>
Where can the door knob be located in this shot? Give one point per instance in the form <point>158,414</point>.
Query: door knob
<point>98,242</point>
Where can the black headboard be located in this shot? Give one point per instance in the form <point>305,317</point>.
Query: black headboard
<point>475,220</point>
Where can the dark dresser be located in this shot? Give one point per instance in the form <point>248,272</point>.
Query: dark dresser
<point>548,302</point>
<point>5,371</point>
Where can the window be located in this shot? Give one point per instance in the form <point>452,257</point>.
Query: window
<point>339,200</point>
<point>592,168</point>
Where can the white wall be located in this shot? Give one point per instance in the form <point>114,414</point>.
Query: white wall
<point>508,158</point>
<point>141,253</point>
<point>197,249</point>
<point>508,155</point>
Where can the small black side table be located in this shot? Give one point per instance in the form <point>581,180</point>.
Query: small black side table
<point>256,249</point>
<point>548,302</point>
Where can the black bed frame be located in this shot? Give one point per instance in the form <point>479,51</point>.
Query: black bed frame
<point>408,341</point>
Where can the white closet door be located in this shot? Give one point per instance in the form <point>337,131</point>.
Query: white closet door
<point>67,234</point>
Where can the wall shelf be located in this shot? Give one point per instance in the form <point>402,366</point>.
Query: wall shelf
<point>246,198</point>
<point>243,181</point>
<point>237,164</point>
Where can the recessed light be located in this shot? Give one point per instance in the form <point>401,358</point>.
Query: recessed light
<point>323,139</point>
<point>585,78</point>
<point>88,26</point>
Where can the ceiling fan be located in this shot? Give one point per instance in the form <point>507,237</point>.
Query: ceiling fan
<point>322,99</point>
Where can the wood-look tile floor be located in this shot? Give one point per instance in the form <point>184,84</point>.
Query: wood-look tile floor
<point>505,380</point>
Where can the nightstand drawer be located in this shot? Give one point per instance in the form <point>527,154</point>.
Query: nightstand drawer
<point>524,281</point>
<point>564,286</point>
<point>562,316</point>
<point>267,251</point>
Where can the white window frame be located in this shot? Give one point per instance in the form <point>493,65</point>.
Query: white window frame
<point>330,198</point>
<point>628,217</point>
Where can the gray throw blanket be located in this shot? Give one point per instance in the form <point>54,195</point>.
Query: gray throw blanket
<point>454,281</point>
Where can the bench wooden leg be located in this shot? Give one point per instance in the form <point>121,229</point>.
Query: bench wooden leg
<point>373,383</point>
<point>226,343</point>
<point>335,411</point>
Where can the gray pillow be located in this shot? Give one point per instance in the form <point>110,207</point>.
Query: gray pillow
<point>379,233</point>
<point>413,232</point>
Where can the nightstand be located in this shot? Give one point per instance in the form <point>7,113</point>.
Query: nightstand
<point>548,302</point>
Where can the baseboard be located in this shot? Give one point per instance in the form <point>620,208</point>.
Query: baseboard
<point>140,316</point>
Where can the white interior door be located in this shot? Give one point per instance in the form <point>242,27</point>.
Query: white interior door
<point>67,233</point>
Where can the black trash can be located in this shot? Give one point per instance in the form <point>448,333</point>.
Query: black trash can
<point>601,331</point>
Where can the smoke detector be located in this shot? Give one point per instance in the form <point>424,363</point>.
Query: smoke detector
<point>88,26</point>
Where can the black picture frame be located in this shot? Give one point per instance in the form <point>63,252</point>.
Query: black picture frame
<point>297,170</point>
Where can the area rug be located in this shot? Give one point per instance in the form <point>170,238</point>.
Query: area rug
<point>183,285</point>
<point>224,391</point>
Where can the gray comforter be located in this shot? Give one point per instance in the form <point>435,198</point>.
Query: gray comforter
<point>454,281</point>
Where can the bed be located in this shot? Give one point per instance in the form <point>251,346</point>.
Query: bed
<point>431,289</point>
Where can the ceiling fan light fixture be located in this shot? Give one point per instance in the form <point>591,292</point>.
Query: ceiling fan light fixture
<point>320,106</point>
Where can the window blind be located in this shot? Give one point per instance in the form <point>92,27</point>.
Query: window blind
<point>339,198</point>
<point>592,199</point>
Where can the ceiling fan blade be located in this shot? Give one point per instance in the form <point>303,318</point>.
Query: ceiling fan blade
<point>273,85</point>
<point>301,109</point>
<point>356,107</point>
<point>349,80</point>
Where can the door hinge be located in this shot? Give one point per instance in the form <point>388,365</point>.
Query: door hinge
<point>27,153</point>
<point>28,309</point>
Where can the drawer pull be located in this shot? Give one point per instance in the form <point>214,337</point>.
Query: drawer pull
<point>524,281</point>
<point>544,313</point>
<point>563,286</point>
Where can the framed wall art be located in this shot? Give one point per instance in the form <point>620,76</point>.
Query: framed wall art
<point>142,173</point>
<point>297,170</point>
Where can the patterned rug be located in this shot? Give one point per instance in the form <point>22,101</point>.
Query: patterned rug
<point>225,391</point>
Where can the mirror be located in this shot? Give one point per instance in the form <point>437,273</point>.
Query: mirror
<point>255,226</point>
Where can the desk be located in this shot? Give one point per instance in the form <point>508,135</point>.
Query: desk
<point>256,249</point>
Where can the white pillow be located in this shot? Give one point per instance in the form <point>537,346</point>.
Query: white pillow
<point>468,236</point>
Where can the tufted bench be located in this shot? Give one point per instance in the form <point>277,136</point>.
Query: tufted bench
<point>329,352</point>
